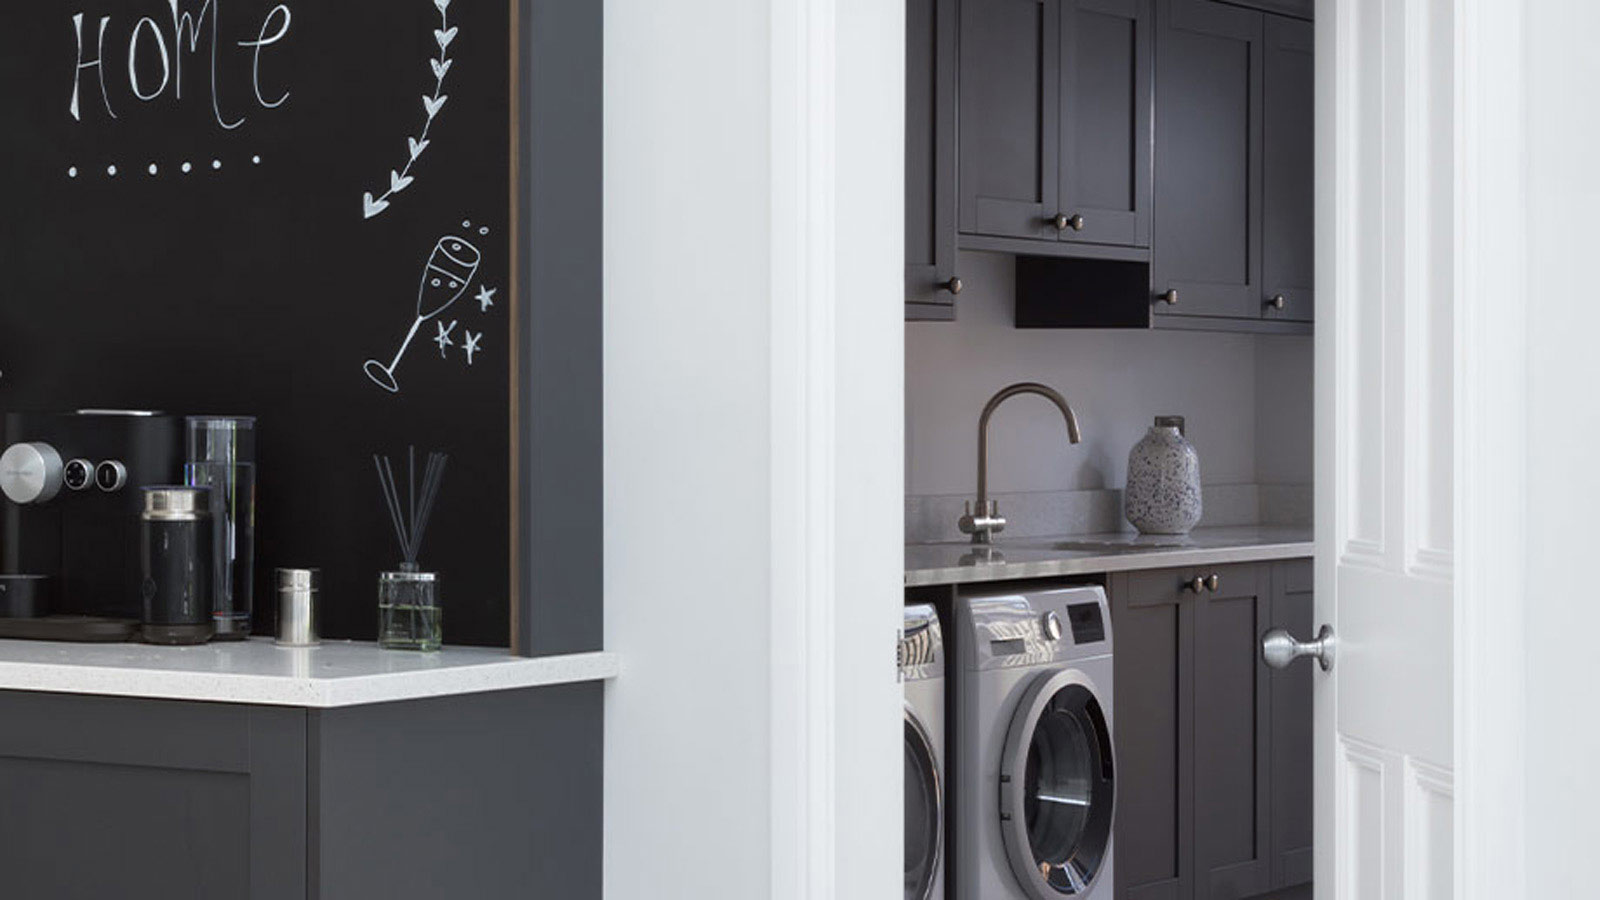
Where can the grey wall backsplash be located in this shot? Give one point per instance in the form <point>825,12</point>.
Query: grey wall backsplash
<point>1247,400</point>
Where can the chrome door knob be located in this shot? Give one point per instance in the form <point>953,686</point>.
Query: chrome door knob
<point>1170,297</point>
<point>1278,301</point>
<point>30,473</point>
<point>954,286</point>
<point>1279,648</point>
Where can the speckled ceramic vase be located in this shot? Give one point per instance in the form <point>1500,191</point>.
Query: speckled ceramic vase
<point>1163,495</point>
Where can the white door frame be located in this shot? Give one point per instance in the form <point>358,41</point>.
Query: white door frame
<point>837,207</point>
<point>1491,461</point>
<point>837,386</point>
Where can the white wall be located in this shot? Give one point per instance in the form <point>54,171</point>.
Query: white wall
<point>1116,382</point>
<point>686,450</point>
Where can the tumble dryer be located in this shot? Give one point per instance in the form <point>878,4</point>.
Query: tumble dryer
<point>921,660</point>
<point>1034,765</point>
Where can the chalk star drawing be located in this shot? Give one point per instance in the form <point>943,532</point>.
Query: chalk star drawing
<point>486,296</point>
<point>400,179</point>
<point>443,340</point>
<point>472,345</point>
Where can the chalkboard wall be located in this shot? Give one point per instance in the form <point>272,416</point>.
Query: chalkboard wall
<point>230,207</point>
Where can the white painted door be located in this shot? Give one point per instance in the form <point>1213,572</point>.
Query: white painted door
<point>1386,259</point>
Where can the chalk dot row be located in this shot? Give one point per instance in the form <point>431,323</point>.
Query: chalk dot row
<point>155,169</point>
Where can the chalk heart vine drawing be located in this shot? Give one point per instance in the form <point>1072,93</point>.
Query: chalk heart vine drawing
<point>432,104</point>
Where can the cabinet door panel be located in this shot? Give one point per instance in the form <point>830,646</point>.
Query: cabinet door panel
<point>1231,777</point>
<point>163,800</point>
<point>1009,110</point>
<point>930,158</point>
<point>1154,832</point>
<point>1105,121</point>
<point>1287,160</point>
<point>1292,608</point>
<point>1206,236</point>
<point>1303,9</point>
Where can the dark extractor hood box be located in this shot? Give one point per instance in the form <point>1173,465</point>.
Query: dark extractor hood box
<point>1054,292</point>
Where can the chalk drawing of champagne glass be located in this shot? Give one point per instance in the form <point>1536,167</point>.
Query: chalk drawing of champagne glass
<point>450,268</point>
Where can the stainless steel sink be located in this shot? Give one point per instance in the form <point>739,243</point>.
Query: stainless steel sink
<point>1131,545</point>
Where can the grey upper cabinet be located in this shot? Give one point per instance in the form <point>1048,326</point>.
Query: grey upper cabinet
<point>1213,748</point>
<point>931,280</point>
<point>1300,9</point>
<point>1287,207</point>
<point>1010,108</point>
<point>1205,254</point>
<point>1055,141</point>
<point>1104,126</point>
<point>1234,217</point>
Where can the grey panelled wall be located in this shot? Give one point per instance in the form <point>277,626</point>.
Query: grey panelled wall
<point>558,423</point>
<point>1193,697</point>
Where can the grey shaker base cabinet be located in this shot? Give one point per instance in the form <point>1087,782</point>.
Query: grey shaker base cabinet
<point>1213,748</point>
<point>479,795</point>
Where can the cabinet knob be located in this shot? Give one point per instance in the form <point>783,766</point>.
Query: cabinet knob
<point>1213,583</point>
<point>954,286</point>
<point>1062,222</point>
<point>1278,301</point>
<point>1170,297</point>
<point>1196,584</point>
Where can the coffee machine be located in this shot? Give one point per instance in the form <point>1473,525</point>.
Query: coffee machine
<point>70,501</point>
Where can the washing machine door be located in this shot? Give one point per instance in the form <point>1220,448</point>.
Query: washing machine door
<point>1057,790</point>
<point>924,811</point>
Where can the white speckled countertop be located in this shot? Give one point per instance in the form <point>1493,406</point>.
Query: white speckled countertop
<point>1087,554</point>
<point>336,673</point>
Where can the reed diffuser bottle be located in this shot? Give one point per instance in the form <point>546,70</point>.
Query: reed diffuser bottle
<point>409,617</point>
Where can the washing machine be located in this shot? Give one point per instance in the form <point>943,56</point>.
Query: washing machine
<point>922,674</point>
<point>1034,764</point>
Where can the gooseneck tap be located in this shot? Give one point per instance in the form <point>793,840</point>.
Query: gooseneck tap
<point>987,521</point>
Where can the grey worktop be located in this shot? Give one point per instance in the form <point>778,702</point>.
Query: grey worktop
<point>1087,554</point>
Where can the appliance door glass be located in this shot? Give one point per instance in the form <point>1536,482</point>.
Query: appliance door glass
<point>924,811</point>
<point>1060,745</point>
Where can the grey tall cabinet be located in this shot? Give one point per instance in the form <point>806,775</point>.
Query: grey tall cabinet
<point>1213,748</point>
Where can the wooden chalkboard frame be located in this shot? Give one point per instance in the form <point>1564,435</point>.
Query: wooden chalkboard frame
<point>556,134</point>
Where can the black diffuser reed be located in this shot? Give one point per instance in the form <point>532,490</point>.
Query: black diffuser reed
<point>410,515</point>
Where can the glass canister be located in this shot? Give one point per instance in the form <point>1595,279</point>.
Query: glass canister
<point>176,544</point>
<point>408,611</point>
<point>221,455</point>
